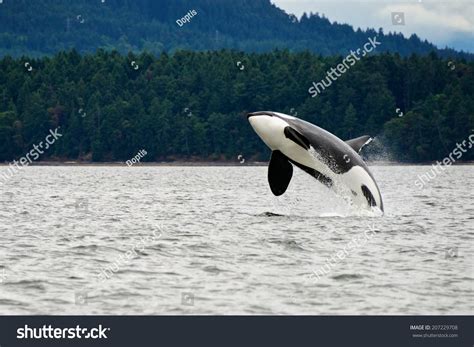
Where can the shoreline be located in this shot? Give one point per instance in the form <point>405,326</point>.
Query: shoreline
<point>205,163</point>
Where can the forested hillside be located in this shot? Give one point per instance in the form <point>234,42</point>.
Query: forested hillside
<point>190,104</point>
<point>35,28</point>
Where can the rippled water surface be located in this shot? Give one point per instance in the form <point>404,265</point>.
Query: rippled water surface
<point>214,240</point>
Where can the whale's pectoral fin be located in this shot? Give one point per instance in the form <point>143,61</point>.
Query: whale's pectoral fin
<point>280,172</point>
<point>296,137</point>
<point>359,142</point>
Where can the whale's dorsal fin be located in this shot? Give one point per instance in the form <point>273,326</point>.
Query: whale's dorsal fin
<point>280,172</point>
<point>359,142</point>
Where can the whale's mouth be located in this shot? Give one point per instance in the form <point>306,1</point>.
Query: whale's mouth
<point>260,113</point>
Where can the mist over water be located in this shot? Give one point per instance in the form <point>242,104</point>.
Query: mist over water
<point>225,245</point>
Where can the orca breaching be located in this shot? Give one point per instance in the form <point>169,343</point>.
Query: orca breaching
<point>333,162</point>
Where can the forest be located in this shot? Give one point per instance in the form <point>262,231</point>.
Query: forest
<point>38,28</point>
<point>191,105</point>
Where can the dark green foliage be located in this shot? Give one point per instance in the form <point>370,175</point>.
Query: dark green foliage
<point>36,28</point>
<point>189,105</point>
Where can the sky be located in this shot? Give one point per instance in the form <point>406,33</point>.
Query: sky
<point>444,23</point>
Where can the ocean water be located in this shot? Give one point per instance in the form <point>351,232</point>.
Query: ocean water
<point>214,240</point>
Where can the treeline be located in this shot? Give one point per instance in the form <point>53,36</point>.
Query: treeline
<point>37,28</point>
<point>189,105</point>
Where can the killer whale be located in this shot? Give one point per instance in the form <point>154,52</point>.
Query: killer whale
<point>330,160</point>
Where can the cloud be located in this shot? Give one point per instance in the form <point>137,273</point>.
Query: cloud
<point>441,17</point>
<point>441,22</point>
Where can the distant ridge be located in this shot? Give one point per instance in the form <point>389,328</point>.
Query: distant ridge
<point>37,28</point>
